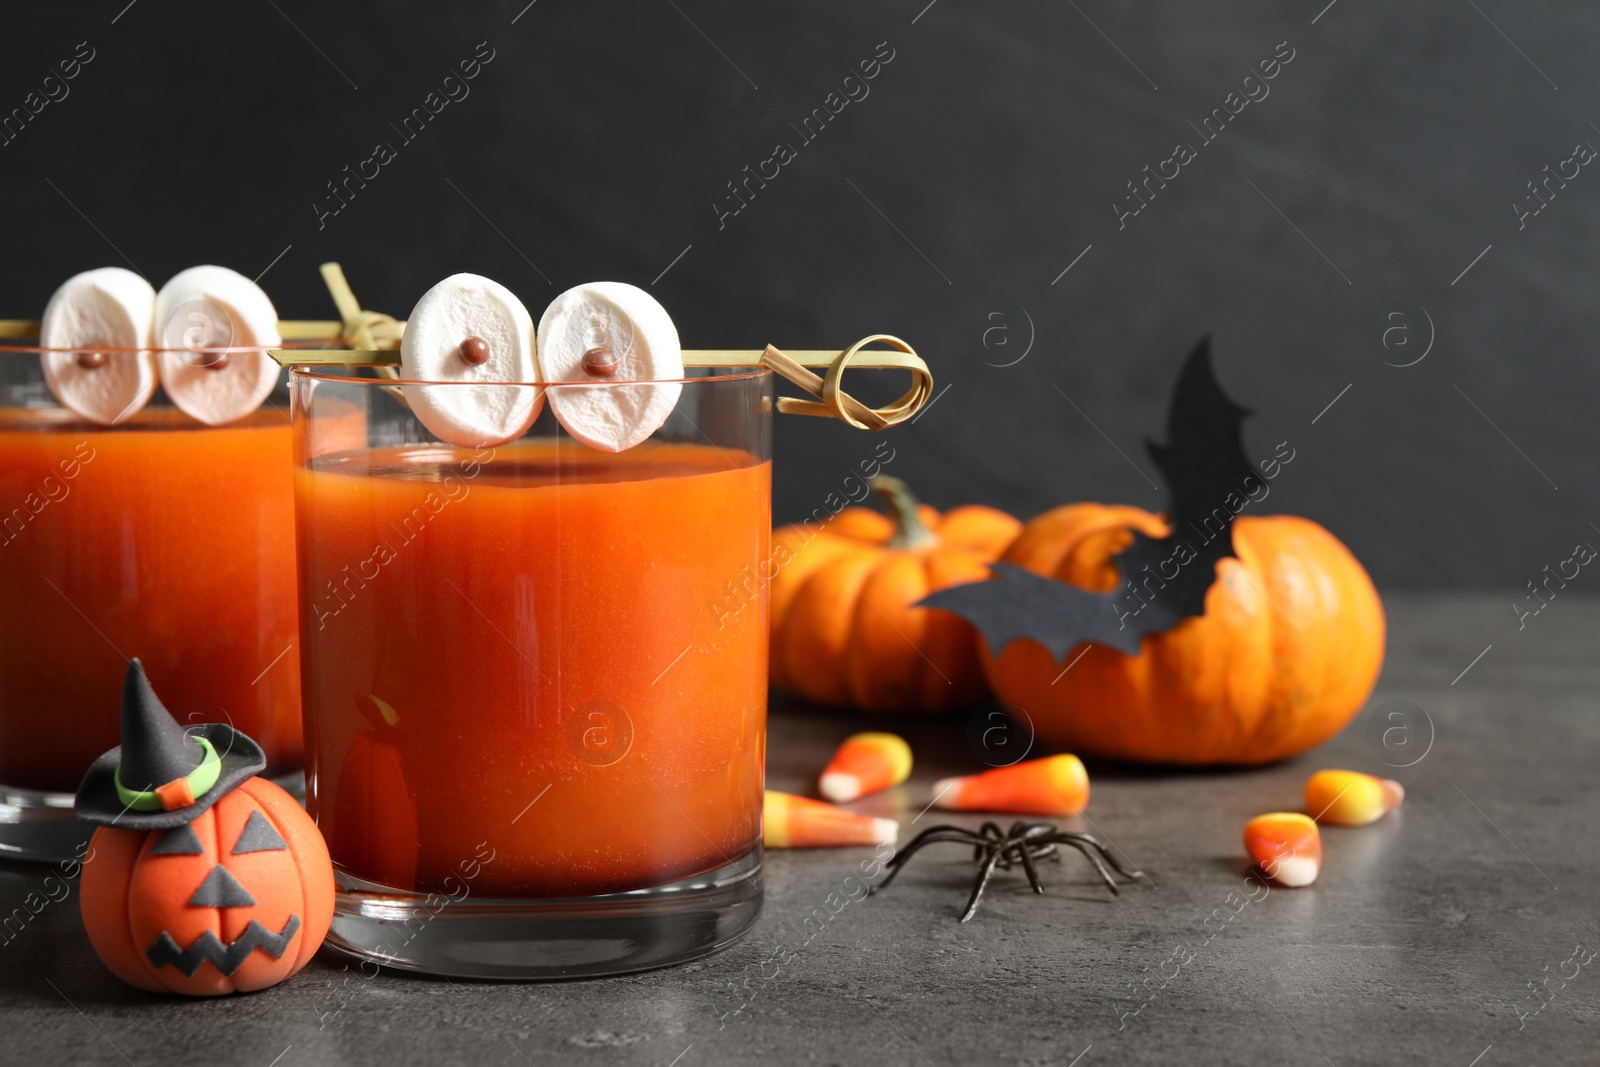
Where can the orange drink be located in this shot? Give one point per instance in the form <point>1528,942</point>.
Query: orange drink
<point>520,645</point>
<point>163,539</point>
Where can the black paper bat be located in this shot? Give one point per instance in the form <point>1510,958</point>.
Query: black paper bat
<point>1164,580</point>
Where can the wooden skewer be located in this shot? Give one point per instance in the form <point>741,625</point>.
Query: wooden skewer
<point>719,358</point>
<point>306,331</point>
<point>289,330</point>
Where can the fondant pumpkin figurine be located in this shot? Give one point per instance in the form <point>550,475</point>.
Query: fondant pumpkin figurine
<point>844,628</point>
<point>202,879</point>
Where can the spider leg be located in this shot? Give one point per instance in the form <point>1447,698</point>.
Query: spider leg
<point>1094,858</point>
<point>991,834</point>
<point>1022,837</point>
<point>896,865</point>
<point>1036,851</point>
<point>931,836</point>
<point>945,834</point>
<point>948,828</point>
<point>978,886</point>
<point>1025,852</point>
<point>1110,856</point>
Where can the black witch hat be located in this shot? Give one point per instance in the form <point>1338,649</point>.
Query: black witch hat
<point>163,775</point>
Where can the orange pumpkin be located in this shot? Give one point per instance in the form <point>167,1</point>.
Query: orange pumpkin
<point>1287,651</point>
<point>373,823</point>
<point>843,629</point>
<point>237,899</point>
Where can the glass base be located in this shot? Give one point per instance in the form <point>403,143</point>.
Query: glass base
<point>573,937</point>
<point>36,825</point>
<point>40,826</point>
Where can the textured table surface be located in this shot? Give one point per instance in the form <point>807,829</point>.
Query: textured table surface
<point>1422,942</point>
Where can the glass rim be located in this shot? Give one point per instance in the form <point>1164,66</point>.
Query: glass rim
<point>320,375</point>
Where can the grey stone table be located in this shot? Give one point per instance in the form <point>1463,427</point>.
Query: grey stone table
<point>1424,940</point>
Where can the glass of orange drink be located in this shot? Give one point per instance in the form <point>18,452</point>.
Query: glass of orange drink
<point>161,538</point>
<point>535,716</point>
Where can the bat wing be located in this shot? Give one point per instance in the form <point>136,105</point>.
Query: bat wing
<point>1209,479</point>
<point>1016,604</point>
<point>1164,580</point>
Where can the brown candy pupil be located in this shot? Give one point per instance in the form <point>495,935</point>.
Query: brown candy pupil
<point>91,360</point>
<point>475,350</point>
<point>599,363</point>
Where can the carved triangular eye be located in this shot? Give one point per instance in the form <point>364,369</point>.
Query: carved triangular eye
<point>259,836</point>
<point>221,890</point>
<point>178,841</point>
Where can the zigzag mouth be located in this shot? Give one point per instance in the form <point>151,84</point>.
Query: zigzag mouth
<point>226,958</point>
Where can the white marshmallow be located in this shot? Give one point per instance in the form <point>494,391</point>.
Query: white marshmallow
<point>111,307</point>
<point>467,306</point>
<point>641,339</point>
<point>214,307</point>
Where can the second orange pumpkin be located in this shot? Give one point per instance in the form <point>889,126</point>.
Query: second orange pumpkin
<point>844,632</point>
<point>1287,651</point>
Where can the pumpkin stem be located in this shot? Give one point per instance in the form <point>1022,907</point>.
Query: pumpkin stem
<point>910,532</point>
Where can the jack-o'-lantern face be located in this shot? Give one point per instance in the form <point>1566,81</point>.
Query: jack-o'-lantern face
<point>237,899</point>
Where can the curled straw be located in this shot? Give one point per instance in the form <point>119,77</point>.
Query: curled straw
<point>840,404</point>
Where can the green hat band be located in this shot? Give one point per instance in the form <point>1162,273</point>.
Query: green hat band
<point>201,779</point>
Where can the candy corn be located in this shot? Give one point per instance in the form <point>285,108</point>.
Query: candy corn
<point>1057,785</point>
<point>864,764</point>
<point>794,822</point>
<point>1350,798</point>
<point>1287,847</point>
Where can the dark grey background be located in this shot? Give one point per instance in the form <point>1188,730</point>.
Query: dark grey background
<point>986,158</point>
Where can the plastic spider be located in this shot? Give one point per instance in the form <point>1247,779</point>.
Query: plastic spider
<point>1023,845</point>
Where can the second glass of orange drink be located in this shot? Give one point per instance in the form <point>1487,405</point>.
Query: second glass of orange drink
<point>536,717</point>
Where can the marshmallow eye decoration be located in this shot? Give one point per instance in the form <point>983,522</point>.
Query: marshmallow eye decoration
<point>198,314</point>
<point>470,329</point>
<point>610,332</point>
<point>109,307</point>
